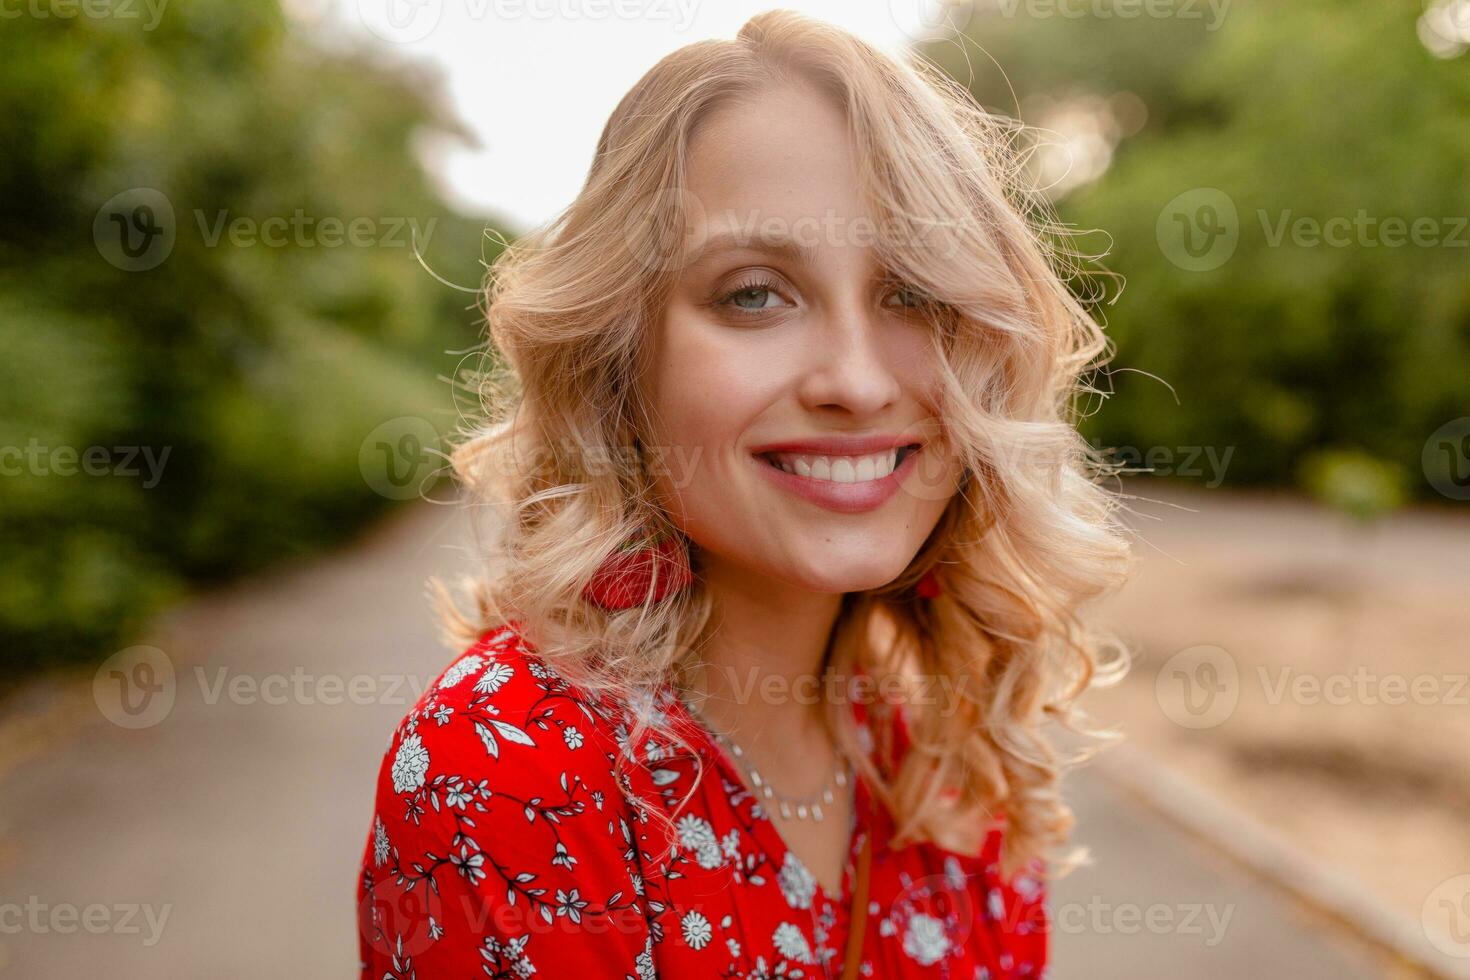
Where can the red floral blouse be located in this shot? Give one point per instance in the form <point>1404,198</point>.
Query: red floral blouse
<point>506,844</point>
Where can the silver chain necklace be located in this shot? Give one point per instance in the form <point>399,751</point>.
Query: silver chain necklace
<point>805,808</point>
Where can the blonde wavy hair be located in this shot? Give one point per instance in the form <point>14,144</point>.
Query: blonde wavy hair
<point>1027,540</point>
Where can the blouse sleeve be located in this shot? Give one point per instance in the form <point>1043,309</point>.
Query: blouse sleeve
<point>500,845</point>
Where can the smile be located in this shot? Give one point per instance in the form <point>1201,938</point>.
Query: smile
<point>843,474</point>
<point>841,469</point>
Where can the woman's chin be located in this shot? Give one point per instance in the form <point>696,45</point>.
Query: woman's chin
<point>849,577</point>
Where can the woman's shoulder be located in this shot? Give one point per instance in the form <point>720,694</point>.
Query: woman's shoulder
<point>499,815</point>
<point>497,716</point>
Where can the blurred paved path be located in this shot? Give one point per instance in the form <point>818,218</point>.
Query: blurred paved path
<point>242,821</point>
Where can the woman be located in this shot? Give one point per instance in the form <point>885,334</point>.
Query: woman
<point>793,531</point>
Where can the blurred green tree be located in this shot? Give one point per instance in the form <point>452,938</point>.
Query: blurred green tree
<point>1255,172</point>
<point>258,354</point>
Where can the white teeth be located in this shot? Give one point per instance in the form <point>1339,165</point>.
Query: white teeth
<point>839,469</point>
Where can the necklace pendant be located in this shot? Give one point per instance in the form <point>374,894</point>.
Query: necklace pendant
<point>801,811</point>
<point>785,810</point>
<point>817,812</point>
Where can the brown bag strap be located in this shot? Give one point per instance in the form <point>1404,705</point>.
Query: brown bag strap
<point>857,922</point>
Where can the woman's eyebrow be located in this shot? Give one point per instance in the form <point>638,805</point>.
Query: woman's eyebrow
<point>733,240</point>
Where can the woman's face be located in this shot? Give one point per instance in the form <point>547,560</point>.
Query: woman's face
<point>793,376</point>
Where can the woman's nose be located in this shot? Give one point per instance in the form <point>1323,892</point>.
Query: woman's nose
<point>847,368</point>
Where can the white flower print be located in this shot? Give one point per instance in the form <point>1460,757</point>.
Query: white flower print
<point>995,904</point>
<point>654,752</point>
<point>380,841</point>
<point>472,866</point>
<point>455,795</point>
<point>570,905</point>
<point>954,875</point>
<point>924,940</point>
<point>797,883</point>
<point>696,834</point>
<point>572,737</point>
<point>494,678</point>
<point>733,945</point>
<point>696,929</point>
<point>730,844</point>
<point>644,965</point>
<point>512,951</point>
<point>461,670</point>
<point>791,943</point>
<point>411,764</point>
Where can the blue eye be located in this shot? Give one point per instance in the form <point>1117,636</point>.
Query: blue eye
<point>751,297</point>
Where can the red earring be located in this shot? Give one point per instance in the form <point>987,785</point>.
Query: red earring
<point>646,570</point>
<point>929,586</point>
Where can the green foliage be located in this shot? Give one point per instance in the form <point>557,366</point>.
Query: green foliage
<point>257,362</point>
<point>1300,113</point>
<point>1359,485</point>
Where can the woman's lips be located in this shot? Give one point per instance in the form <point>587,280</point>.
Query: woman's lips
<point>847,498</point>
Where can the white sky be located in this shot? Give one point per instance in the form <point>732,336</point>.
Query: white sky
<point>536,79</point>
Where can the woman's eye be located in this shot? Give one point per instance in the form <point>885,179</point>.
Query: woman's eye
<point>908,298</point>
<point>753,297</point>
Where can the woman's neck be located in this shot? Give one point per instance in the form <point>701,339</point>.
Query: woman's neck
<point>764,659</point>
